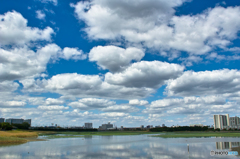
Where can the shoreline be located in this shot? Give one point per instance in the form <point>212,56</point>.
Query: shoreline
<point>24,136</point>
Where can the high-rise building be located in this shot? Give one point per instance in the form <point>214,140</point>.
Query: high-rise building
<point>88,125</point>
<point>2,120</point>
<point>14,121</point>
<point>234,121</point>
<point>221,121</point>
<point>18,121</point>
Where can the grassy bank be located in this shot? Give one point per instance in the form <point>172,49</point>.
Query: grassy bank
<point>16,136</point>
<point>198,134</point>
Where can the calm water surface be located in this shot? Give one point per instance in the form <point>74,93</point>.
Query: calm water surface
<point>107,147</point>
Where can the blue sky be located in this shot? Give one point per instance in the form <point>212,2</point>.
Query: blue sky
<point>127,62</point>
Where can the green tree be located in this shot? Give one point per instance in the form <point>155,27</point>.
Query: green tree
<point>24,125</point>
<point>6,126</point>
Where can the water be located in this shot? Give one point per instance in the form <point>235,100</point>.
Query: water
<point>108,147</point>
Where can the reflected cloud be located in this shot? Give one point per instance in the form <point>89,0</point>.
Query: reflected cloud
<point>123,147</point>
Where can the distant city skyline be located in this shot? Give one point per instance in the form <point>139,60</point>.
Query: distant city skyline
<point>127,62</point>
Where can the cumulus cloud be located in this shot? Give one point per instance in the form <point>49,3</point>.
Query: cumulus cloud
<point>107,19</point>
<point>73,53</point>
<point>14,30</point>
<point>78,85</point>
<point>120,108</point>
<point>145,74</point>
<point>40,15</point>
<point>22,62</point>
<point>55,107</point>
<point>8,86</point>
<point>217,57</point>
<point>138,81</point>
<point>138,102</point>
<point>54,2</point>
<point>205,105</point>
<point>12,103</point>
<point>155,26</point>
<point>114,58</point>
<point>91,103</point>
<point>205,82</point>
<point>53,101</point>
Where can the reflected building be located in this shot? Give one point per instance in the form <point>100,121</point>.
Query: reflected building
<point>227,145</point>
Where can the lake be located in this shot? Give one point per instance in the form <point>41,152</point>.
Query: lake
<point>129,146</point>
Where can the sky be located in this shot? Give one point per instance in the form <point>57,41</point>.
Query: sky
<point>128,62</point>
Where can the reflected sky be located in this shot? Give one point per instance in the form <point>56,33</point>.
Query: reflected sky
<point>108,147</point>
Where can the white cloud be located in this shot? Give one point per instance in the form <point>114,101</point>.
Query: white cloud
<point>12,104</point>
<point>107,19</point>
<point>73,53</point>
<point>55,107</point>
<point>91,103</point>
<point>188,61</point>
<point>40,15</point>
<point>120,108</point>
<point>138,102</point>
<point>21,63</point>
<point>145,74</point>
<point>235,49</point>
<point>53,101</point>
<point>8,86</point>
<point>54,2</point>
<point>114,58</point>
<point>14,30</point>
<point>80,86</point>
<point>205,82</point>
<point>155,26</point>
<point>217,57</point>
<point>204,105</point>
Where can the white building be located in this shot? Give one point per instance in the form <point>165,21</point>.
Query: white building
<point>226,122</point>
<point>221,121</point>
<point>18,121</point>
<point>234,121</point>
<point>106,126</point>
<point>88,126</point>
<point>14,121</point>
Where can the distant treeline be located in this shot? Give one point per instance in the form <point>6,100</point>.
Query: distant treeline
<point>24,125</point>
<point>62,129</point>
<point>7,126</point>
<point>182,128</point>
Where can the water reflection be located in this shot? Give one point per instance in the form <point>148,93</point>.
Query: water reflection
<point>109,147</point>
<point>232,146</point>
<point>227,145</point>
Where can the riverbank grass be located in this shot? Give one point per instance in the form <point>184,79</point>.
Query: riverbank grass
<point>16,136</point>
